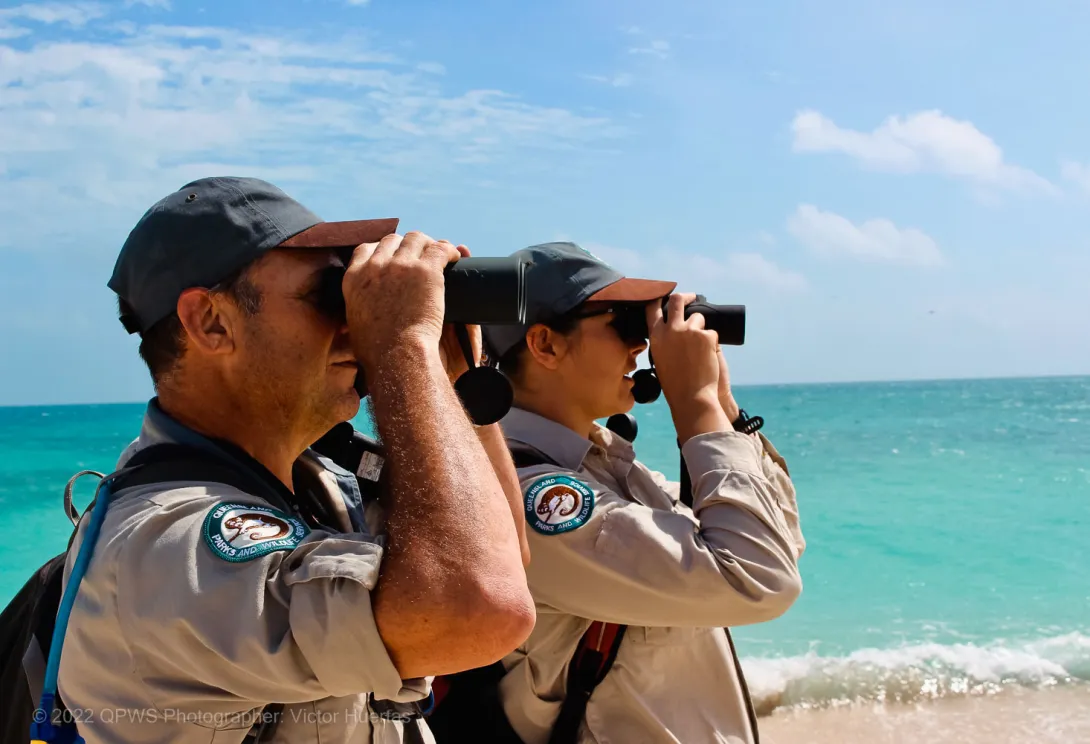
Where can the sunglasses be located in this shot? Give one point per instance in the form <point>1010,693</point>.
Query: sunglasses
<point>629,320</point>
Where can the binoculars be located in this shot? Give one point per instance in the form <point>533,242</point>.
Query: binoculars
<point>492,291</point>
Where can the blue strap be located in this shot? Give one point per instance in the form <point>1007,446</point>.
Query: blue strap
<point>43,729</point>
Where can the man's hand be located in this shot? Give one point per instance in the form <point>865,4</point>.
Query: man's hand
<point>685,359</point>
<point>394,293</point>
<point>454,360</point>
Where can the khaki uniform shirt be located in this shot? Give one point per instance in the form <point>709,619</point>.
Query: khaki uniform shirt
<point>175,638</point>
<point>610,541</point>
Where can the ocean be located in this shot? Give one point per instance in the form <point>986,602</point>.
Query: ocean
<point>948,531</point>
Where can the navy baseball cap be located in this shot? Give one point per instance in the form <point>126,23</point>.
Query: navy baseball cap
<point>209,229</point>
<point>559,278</point>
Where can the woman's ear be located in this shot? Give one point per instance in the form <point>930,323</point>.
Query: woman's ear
<point>546,346</point>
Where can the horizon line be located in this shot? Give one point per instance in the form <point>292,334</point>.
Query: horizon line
<point>826,383</point>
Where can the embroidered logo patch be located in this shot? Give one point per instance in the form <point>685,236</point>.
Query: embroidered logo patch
<point>242,532</point>
<point>558,504</point>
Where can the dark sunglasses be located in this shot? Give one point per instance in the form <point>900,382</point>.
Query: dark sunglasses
<point>629,320</point>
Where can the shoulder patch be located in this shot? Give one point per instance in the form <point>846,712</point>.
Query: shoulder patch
<point>558,504</point>
<point>242,532</point>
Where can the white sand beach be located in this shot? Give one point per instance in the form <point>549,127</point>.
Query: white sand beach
<point>1055,716</point>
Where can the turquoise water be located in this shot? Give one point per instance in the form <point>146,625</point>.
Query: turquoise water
<point>948,528</point>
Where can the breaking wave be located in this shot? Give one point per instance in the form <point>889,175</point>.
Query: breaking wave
<point>916,673</point>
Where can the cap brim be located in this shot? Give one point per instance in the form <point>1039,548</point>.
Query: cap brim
<point>633,290</point>
<point>342,234</point>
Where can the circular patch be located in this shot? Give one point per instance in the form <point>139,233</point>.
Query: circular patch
<point>558,504</point>
<point>242,532</point>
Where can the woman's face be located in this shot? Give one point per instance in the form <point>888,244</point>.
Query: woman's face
<point>597,363</point>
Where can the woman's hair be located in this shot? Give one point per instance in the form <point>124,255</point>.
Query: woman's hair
<point>511,362</point>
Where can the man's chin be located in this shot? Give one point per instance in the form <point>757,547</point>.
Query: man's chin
<point>347,405</point>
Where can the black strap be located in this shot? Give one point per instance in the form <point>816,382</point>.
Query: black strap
<point>471,709</point>
<point>528,457</point>
<point>585,673</point>
<point>265,727</point>
<point>162,463</point>
<point>588,666</point>
<point>686,489</point>
<point>687,499</point>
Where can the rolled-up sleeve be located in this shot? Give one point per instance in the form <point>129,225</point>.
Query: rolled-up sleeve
<point>288,626</point>
<point>730,561</point>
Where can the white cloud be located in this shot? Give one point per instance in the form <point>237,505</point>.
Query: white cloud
<point>829,234</point>
<point>623,80</point>
<point>357,2</point>
<point>1077,173</point>
<point>695,272</point>
<point>72,14</point>
<point>927,141</point>
<point>657,48</point>
<point>754,268</point>
<point>103,121</point>
<point>433,68</point>
<point>625,260</point>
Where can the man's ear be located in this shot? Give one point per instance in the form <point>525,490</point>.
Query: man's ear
<point>209,321</point>
<point>546,346</point>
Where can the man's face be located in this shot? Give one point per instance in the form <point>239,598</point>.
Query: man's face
<point>290,354</point>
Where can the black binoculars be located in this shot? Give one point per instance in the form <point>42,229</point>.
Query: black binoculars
<point>479,291</point>
<point>492,291</point>
<point>728,321</point>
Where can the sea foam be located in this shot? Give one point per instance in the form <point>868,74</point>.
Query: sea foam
<point>915,673</point>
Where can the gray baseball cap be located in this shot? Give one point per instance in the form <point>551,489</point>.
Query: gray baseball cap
<point>211,228</point>
<point>559,278</point>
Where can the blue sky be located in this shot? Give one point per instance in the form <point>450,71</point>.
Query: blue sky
<point>896,190</point>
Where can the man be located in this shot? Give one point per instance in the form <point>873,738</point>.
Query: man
<point>614,542</point>
<point>194,615</point>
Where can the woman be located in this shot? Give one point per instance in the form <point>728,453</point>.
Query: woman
<point>611,543</point>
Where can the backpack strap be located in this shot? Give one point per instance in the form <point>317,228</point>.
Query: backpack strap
<point>467,704</point>
<point>162,463</point>
<point>159,463</point>
<point>527,457</point>
<point>592,661</point>
<point>593,657</point>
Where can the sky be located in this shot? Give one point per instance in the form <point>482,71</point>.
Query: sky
<point>895,190</point>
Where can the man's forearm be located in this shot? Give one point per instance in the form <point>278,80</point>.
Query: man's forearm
<point>450,542</point>
<point>495,445</point>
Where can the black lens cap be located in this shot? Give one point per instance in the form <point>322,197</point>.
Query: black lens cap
<point>646,387</point>
<point>486,393</point>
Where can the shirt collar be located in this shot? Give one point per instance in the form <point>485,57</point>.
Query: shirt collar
<point>556,441</point>
<point>616,447</point>
<point>159,427</point>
